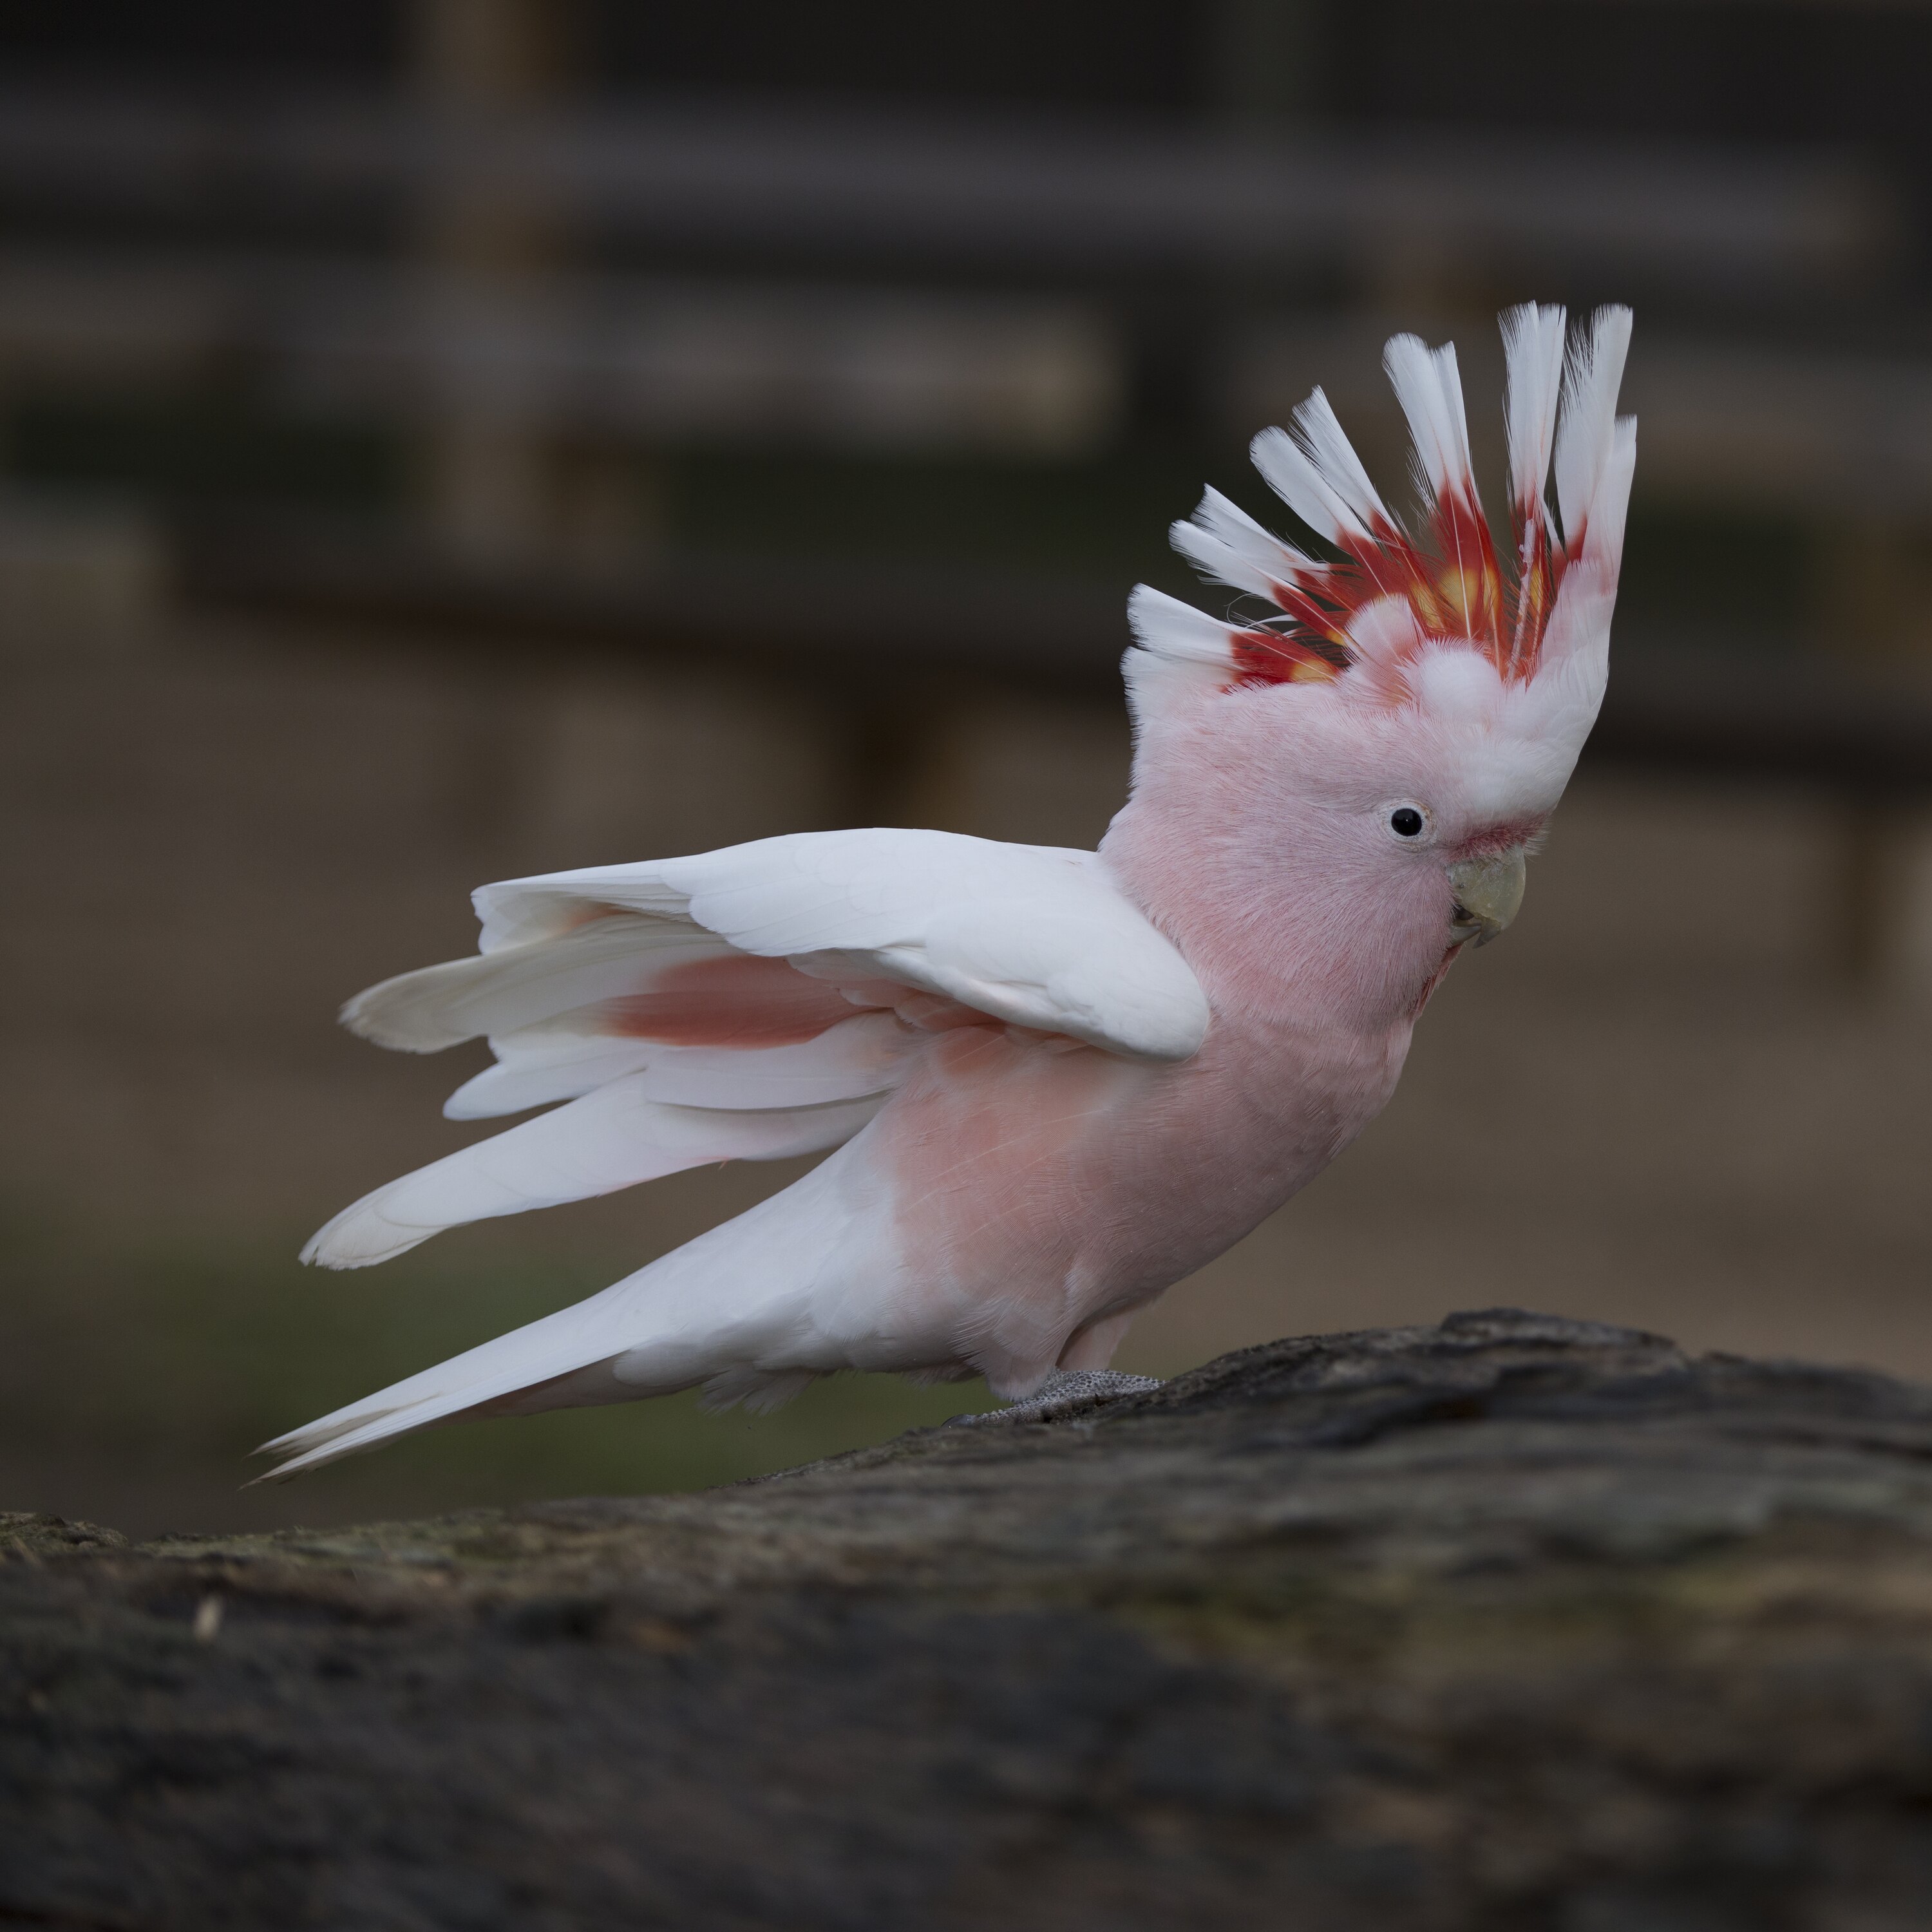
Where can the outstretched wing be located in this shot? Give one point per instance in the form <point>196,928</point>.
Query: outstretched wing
<point>747,1003</point>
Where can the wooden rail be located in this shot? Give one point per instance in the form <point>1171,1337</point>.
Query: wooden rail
<point>889,630</point>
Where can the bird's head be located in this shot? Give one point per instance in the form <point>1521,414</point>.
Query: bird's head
<point>1358,775</point>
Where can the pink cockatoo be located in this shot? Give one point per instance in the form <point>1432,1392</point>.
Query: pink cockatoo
<point>1056,1082</point>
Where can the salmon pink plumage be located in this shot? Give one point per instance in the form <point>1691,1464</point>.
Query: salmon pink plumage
<point>1053,1082</point>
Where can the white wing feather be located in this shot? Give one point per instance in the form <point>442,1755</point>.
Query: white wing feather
<point>538,1065</point>
<point>614,1136</point>
<point>1034,936</point>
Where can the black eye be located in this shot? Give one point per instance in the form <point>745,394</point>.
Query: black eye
<point>1405,821</point>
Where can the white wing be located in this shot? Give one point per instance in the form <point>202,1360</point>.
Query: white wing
<point>1034,934</point>
<point>747,1003</point>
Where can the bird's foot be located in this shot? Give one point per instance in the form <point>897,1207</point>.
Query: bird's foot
<point>1064,1392</point>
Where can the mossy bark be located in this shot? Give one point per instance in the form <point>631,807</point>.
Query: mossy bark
<point>1511,1624</point>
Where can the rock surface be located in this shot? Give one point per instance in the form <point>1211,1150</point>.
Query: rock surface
<point>1515,1624</point>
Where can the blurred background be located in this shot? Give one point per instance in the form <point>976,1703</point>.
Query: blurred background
<point>443,439</point>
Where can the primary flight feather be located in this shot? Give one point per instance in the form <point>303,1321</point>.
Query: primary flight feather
<point>1054,1081</point>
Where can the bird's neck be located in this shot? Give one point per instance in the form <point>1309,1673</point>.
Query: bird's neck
<point>1277,939</point>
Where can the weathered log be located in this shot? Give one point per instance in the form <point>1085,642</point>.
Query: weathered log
<point>1513,1623</point>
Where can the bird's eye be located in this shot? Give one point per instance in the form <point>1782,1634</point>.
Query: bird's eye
<point>1405,822</point>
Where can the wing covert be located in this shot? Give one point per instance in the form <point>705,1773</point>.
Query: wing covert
<point>1038,936</point>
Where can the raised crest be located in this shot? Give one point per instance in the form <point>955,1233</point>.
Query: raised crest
<point>1381,591</point>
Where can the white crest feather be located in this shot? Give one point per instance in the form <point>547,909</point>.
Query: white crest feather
<point>1429,388</point>
<point>1533,352</point>
<point>1225,544</point>
<point>1584,442</point>
<point>1611,505</point>
<point>1169,629</point>
<point>1321,435</point>
<point>1316,472</point>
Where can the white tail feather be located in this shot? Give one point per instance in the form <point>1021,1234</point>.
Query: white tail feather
<point>741,1302</point>
<point>572,1339</point>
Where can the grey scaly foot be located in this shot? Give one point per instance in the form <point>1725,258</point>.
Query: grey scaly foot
<point>1066,1392</point>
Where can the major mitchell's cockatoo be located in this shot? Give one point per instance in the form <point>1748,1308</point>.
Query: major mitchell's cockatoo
<point>1056,1082</point>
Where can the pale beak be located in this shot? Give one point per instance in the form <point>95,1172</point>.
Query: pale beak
<point>1489,894</point>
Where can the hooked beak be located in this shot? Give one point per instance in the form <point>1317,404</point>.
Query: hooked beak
<point>1488,894</point>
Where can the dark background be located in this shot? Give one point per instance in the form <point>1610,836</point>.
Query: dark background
<point>445,440</point>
